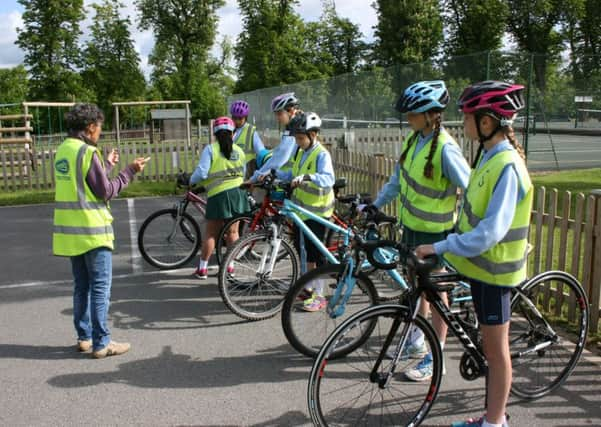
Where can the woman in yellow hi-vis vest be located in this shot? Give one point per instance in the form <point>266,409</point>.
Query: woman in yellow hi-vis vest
<point>220,171</point>
<point>312,178</point>
<point>83,224</point>
<point>425,183</point>
<point>492,231</point>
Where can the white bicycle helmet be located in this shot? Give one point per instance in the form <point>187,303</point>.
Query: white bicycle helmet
<point>283,101</point>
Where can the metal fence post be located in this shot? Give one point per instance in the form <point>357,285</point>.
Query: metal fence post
<point>528,102</point>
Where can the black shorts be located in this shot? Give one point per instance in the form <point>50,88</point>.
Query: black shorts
<point>313,254</point>
<point>492,303</point>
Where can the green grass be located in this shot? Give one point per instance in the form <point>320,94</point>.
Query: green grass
<point>136,189</point>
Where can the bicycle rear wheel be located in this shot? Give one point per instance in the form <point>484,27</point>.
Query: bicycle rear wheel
<point>167,241</point>
<point>251,294</point>
<point>306,331</point>
<point>347,392</point>
<point>547,333</point>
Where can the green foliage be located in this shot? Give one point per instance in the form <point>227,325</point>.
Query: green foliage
<point>49,40</point>
<point>13,85</point>
<point>275,47</point>
<point>407,31</point>
<point>184,32</point>
<point>533,23</point>
<point>474,26</point>
<point>111,63</point>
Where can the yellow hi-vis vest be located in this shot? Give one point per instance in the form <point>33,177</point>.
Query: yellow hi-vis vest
<point>290,163</point>
<point>245,139</point>
<point>82,221</point>
<point>224,174</point>
<point>505,263</point>
<point>426,205</point>
<point>315,199</point>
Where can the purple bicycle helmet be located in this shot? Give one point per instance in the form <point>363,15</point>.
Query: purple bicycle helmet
<point>283,101</point>
<point>239,108</point>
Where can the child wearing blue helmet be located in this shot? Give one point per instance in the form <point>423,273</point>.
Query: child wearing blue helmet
<point>425,182</point>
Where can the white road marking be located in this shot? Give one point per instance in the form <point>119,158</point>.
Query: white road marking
<point>136,262</point>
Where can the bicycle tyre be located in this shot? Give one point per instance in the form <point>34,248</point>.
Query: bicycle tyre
<point>220,245</point>
<point>523,385</point>
<point>317,332</point>
<point>188,226</point>
<point>273,294</point>
<point>417,397</point>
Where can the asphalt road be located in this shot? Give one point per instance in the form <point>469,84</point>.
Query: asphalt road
<point>192,361</point>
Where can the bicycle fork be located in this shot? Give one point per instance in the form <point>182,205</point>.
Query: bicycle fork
<point>275,243</point>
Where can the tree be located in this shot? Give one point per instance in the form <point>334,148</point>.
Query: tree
<point>336,41</point>
<point>13,85</point>
<point>582,30</point>
<point>111,65</point>
<point>49,40</point>
<point>474,26</point>
<point>184,31</point>
<point>534,23</point>
<point>273,47</point>
<point>407,31</point>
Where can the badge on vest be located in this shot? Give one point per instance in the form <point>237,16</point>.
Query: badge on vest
<point>62,166</point>
<point>235,156</point>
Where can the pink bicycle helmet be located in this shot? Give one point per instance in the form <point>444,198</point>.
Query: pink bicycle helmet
<point>239,108</point>
<point>501,99</point>
<point>223,123</point>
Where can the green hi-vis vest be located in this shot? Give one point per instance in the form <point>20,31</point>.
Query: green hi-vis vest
<point>426,205</point>
<point>505,263</point>
<point>224,174</point>
<point>82,221</point>
<point>315,199</point>
<point>245,139</point>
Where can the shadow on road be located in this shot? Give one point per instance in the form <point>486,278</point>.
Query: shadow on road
<point>170,370</point>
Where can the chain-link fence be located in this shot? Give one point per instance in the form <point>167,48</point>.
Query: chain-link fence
<point>560,127</point>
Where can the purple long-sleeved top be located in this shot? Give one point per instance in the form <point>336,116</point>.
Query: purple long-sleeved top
<point>100,184</point>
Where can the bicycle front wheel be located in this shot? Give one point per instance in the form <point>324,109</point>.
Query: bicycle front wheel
<point>248,289</point>
<point>307,328</point>
<point>352,391</point>
<point>168,241</point>
<point>547,334</point>
<point>244,223</point>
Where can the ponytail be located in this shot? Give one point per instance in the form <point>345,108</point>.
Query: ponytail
<point>226,143</point>
<point>510,135</point>
<point>429,168</point>
<point>410,142</point>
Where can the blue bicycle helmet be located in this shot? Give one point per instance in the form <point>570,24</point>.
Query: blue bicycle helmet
<point>423,96</point>
<point>264,155</point>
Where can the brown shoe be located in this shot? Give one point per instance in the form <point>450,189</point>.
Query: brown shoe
<point>84,345</point>
<point>112,349</point>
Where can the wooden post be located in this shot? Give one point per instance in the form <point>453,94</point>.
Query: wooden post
<point>375,162</point>
<point>595,262</point>
<point>117,125</point>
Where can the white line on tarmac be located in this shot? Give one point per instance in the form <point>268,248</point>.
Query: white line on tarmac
<point>136,263</point>
<point>70,281</point>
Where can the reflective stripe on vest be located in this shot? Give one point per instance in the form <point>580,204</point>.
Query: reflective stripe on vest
<point>315,199</point>
<point>82,222</point>
<point>426,205</point>
<point>245,139</point>
<point>224,174</point>
<point>505,263</point>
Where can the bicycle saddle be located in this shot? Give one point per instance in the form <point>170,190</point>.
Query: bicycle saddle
<point>340,183</point>
<point>364,198</point>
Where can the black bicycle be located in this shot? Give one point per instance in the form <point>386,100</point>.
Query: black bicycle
<point>367,387</point>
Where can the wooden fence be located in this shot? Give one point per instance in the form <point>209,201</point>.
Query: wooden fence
<point>565,232</point>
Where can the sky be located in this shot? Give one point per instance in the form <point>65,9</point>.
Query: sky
<point>358,11</point>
